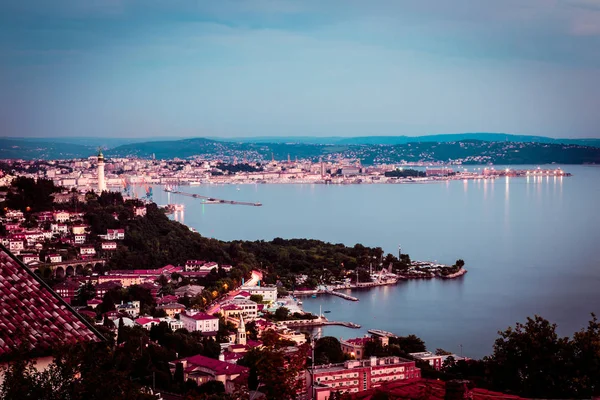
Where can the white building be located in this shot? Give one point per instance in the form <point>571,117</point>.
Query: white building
<point>62,216</point>
<point>132,308</point>
<point>87,251</point>
<point>269,293</point>
<point>55,258</point>
<point>198,321</point>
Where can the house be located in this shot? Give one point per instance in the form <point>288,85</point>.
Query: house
<point>153,288</point>
<point>78,229</point>
<point>268,293</point>
<point>436,361</point>
<point>193,265</point>
<point>173,323</point>
<point>16,246</point>
<point>146,322</point>
<point>247,308</point>
<point>131,308</point>
<point>14,214</point>
<point>139,211</point>
<point>45,216</point>
<point>115,234</point>
<point>79,238</point>
<point>12,227</point>
<point>54,258</point>
<point>125,280</point>
<point>355,347</point>
<point>172,309</point>
<point>201,369</point>
<point>59,228</point>
<point>167,299</point>
<point>109,246</point>
<point>68,290</point>
<point>359,375</point>
<point>62,216</point>
<point>47,323</point>
<point>104,287</point>
<point>29,258</point>
<point>189,290</point>
<point>93,303</point>
<point>198,321</point>
<point>87,251</point>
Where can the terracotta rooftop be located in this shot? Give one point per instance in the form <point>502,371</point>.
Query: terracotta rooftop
<point>429,389</point>
<point>199,316</point>
<point>219,367</point>
<point>33,315</point>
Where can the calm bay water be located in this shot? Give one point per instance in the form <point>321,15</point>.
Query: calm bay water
<point>531,246</point>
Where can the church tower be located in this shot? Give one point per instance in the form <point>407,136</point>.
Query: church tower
<point>240,337</point>
<point>101,181</point>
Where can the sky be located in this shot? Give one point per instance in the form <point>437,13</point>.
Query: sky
<point>238,68</point>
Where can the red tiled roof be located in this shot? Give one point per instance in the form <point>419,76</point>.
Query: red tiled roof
<point>143,320</point>
<point>219,367</point>
<point>199,316</point>
<point>33,315</point>
<point>432,389</point>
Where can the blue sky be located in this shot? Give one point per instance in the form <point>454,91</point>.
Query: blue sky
<point>230,68</point>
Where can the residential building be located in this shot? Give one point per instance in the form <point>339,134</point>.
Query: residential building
<point>79,238</point>
<point>172,309</point>
<point>68,290</point>
<point>87,251</point>
<point>247,308</point>
<point>173,323</point>
<point>109,246</point>
<point>436,361</point>
<point>103,287</point>
<point>131,308</point>
<point>189,290</point>
<point>62,216</point>
<point>355,347</point>
<point>194,265</point>
<point>78,229</point>
<point>115,234</point>
<point>359,375</point>
<point>29,258</point>
<point>269,293</point>
<point>16,246</point>
<point>139,211</point>
<point>147,322</point>
<point>201,369</point>
<point>126,280</point>
<point>54,258</point>
<point>198,321</point>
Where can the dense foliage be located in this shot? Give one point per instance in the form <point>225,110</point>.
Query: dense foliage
<point>27,194</point>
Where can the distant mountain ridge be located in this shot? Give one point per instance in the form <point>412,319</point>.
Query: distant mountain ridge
<point>467,148</point>
<point>391,140</point>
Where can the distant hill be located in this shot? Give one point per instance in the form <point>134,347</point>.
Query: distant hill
<point>390,140</point>
<point>47,150</point>
<point>438,148</point>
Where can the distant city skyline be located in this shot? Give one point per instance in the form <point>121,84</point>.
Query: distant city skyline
<point>222,69</point>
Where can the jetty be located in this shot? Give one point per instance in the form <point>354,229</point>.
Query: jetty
<point>212,200</point>
<point>342,295</point>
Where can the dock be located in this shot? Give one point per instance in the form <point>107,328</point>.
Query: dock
<point>379,332</point>
<point>342,295</point>
<point>212,200</point>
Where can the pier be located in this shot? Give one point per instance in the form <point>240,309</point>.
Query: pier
<point>212,200</point>
<point>342,295</point>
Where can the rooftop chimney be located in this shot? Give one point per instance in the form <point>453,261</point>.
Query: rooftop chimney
<point>458,390</point>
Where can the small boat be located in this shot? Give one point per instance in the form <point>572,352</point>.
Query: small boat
<point>314,296</point>
<point>326,312</point>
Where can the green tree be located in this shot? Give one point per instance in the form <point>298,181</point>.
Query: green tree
<point>282,313</point>
<point>328,350</point>
<point>531,360</point>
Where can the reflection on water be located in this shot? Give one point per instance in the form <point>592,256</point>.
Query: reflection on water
<point>531,251</point>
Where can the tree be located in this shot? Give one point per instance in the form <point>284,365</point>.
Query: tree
<point>178,375</point>
<point>211,387</point>
<point>460,263</point>
<point>282,313</point>
<point>585,363</point>
<point>257,298</point>
<point>409,344</point>
<point>531,360</point>
<point>328,350</point>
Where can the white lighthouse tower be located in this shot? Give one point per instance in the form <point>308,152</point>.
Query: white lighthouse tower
<point>101,180</point>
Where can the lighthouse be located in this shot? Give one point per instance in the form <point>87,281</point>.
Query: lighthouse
<point>101,181</point>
